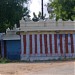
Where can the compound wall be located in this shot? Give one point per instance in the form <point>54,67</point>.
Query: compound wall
<point>47,46</point>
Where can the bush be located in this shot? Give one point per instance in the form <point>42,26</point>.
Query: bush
<point>3,60</point>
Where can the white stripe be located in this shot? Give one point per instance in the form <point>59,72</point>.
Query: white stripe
<point>74,42</point>
<point>38,44</point>
<point>33,44</point>
<point>69,44</point>
<point>43,45</point>
<point>48,44</point>
<point>63,44</point>
<point>58,44</point>
<point>27,45</point>
<point>53,47</point>
<point>22,45</point>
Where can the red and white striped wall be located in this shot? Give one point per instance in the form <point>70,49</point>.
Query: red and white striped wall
<point>47,46</point>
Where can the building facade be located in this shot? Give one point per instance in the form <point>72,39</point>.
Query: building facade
<point>42,40</point>
<point>46,40</point>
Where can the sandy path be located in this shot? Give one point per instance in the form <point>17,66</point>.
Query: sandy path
<point>50,68</point>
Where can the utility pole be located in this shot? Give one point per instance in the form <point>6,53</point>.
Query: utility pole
<point>42,7</point>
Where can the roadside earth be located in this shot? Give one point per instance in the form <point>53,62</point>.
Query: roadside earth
<point>39,68</point>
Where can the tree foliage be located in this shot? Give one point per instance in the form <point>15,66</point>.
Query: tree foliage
<point>63,9</point>
<point>11,11</point>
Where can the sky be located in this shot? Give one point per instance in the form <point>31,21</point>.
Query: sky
<point>35,6</point>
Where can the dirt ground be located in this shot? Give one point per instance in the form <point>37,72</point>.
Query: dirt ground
<point>41,68</point>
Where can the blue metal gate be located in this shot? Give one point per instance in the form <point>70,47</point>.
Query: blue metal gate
<point>13,49</point>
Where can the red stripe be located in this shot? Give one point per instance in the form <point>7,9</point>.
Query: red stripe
<point>61,48</point>
<point>30,38</point>
<point>55,42</point>
<point>66,43</point>
<point>35,44</point>
<point>72,44</point>
<point>41,43</point>
<point>50,39</point>
<point>24,41</point>
<point>45,42</point>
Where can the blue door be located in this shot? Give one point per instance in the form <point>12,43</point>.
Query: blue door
<point>13,49</point>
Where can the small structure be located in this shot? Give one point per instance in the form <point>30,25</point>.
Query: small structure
<point>11,44</point>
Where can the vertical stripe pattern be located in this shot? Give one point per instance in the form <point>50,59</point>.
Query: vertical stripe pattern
<point>61,49</point>
<point>30,39</point>
<point>55,42</point>
<point>66,43</point>
<point>45,42</point>
<point>24,39</point>
<point>72,44</point>
<point>50,40</point>
<point>35,44</point>
<point>40,43</point>
<point>48,44</point>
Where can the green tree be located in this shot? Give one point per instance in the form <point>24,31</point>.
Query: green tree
<point>11,11</point>
<point>63,9</point>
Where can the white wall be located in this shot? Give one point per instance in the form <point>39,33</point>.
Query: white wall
<point>47,25</point>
